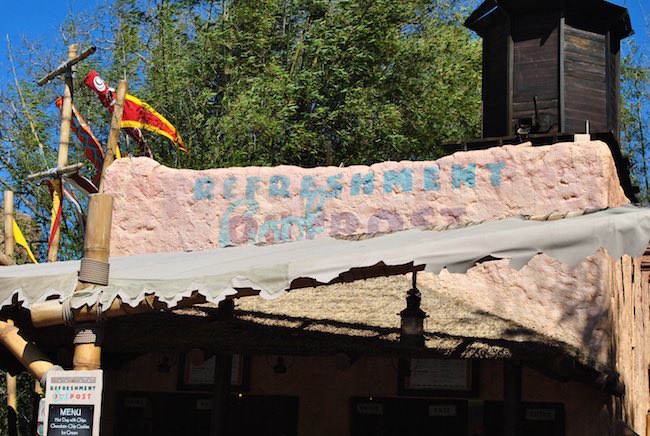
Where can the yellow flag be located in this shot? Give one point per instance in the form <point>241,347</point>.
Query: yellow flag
<point>118,153</point>
<point>20,240</point>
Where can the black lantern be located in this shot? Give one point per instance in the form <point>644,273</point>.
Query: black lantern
<point>412,323</point>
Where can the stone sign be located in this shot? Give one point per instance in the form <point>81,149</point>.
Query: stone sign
<point>161,209</point>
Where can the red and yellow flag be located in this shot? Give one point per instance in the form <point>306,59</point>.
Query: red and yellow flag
<point>137,114</point>
<point>93,149</point>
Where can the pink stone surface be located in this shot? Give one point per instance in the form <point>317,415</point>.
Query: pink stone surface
<point>158,209</point>
<point>569,305</point>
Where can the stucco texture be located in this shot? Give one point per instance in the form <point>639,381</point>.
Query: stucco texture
<point>159,209</point>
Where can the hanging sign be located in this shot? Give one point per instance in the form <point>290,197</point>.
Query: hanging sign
<point>73,403</point>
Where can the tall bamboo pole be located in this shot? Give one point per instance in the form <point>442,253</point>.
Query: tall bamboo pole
<point>26,352</point>
<point>8,205</point>
<point>87,354</point>
<point>12,403</point>
<point>12,408</point>
<point>114,134</point>
<point>64,142</point>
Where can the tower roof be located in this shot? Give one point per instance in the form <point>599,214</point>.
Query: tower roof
<point>593,14</point>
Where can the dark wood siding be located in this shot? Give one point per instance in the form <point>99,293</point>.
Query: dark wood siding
<point>536,67</point>
<point>586,90</point>
<point>495,81</point>
<point>614,73</point>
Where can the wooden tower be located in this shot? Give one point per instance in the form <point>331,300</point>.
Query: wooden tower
<point>550,66</point>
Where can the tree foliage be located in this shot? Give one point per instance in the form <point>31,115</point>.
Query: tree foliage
<point>635,117</point>
<point>264,82</point>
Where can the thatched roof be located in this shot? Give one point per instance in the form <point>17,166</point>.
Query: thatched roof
<point>359,318</point>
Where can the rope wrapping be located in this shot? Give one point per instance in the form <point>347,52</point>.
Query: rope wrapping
<point>43,379</point>
<point>89,334</point>
<point>94,271</point>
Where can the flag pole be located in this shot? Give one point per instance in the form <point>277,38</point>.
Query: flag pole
<point>64,142</point>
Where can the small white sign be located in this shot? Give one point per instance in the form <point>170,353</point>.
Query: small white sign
<point>370,409</point>
<point>73,402</point>
<point>135,403</point>
<point>439,374</point>
<point>442,410</point>
<point>540,414</point>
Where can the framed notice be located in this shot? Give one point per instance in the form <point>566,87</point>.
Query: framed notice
<point>438,377</point>
<point>201,376</point>
<point>73,403</point>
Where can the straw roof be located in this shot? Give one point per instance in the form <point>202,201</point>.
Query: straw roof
<point>359,318</point>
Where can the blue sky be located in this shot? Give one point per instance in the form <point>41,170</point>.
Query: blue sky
<point>40,20</point>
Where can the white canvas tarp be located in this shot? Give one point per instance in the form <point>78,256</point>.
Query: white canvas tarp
<point>271,269</point>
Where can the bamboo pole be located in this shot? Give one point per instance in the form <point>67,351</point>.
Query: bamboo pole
<point>12,403</point>
<point>114,133</point>
<point>64,142</point>
<point>26,352</point>
<point>6,258</point>
<point>94,269</point>
<point>50,313</point>
<point>66,65</point>
<point>96,251</point>
<point>8,206</point>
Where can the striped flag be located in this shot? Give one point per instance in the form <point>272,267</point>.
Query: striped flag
<point>57,210</point>
<point>92,148</point>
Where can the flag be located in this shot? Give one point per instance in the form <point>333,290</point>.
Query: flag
<point>137,114</point>
<point>20,240</point>
<point>57,210</point>
<point>93,149</point>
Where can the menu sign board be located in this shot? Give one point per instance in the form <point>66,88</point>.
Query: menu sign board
<point>73,403</point>
<point>439,377</point>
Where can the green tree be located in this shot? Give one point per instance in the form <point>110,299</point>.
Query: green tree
<point>306,82</point>
<point>635,116</point>
<point>265,82</point>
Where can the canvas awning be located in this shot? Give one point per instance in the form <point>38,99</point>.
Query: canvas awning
<point>272,269</point>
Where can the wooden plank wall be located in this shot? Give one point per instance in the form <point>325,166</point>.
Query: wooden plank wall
<point>630,350</point>
<point>536,66</point>
<point>495,81</point>
<point>585,67</point>
<point>614,61</point>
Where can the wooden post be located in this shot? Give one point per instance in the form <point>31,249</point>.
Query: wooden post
<point>8,206</point>
<point>114,134</point>
<point>221,395</point>
<point>511,398</point>
<point>64,142</point>
<point>94,265</point>
<point>12,408</point>
<point>26,352</point>
<point>96,253</point>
